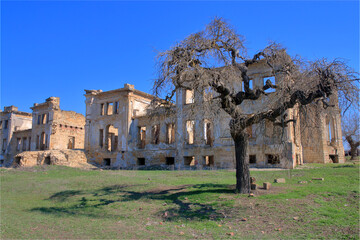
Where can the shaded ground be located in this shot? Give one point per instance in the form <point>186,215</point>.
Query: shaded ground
<point>59,202</point>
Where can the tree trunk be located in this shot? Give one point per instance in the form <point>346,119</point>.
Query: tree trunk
<point>242,165</point>
<point>353,152</point>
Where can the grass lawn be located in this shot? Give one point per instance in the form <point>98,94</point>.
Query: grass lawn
<point>61,202</point>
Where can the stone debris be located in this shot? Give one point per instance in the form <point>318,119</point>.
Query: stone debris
<point>279,180</point>
<point>302,182</point>
<point>266,185</point>
<point>253,186</point>
<point>321,179</point>
<point>69,157</point>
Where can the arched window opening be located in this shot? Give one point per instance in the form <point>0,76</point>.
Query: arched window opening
<point>111,138</point>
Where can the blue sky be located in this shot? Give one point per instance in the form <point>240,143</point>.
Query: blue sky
<point>60,48</point>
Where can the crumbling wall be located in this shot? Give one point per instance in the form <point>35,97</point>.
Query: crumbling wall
<point>321,133</point>
<point>105,127</point>
<point>71,158</point>
<point>68,130</point>
<point>11,120</point>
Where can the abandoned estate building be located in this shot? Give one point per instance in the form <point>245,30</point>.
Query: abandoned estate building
<point>46,128</point>
<point>120,133</point>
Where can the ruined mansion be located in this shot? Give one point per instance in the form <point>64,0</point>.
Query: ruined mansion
<point>118,132</point>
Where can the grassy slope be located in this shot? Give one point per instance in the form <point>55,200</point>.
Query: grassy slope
<point>61,202</point>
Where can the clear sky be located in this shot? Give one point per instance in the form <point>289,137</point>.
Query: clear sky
<point>60,48</point>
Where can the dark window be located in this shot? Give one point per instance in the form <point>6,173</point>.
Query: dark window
<point>116,107</point>
<point>39,120</point>
<point>4,144</point>
<point>156,134</point>
<point>170,161</point>
<point>189,161</point>
<point>101,137</point>
<point>6,124</point>
<point>107,162</point>
<point>24,141</point>
<point>252,159</point>
<point>273,159</point>
<point>334,158</point>
<point>37,142</point>
<point>102,111</point>
<point>17,161</point>
<point>209,161</point>
<point>18,142</point>
<point>47,161</point>
<point>141,161</point>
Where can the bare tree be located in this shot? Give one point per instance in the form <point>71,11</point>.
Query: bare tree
<point>216,58</point>
<point>351,132</point>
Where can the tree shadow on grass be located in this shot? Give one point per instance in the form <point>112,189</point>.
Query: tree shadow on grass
<point>182,201</point>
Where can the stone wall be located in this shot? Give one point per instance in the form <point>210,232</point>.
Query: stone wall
<point>68,130</point>
<point>71,158</point>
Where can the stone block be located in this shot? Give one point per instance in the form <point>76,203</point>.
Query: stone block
<point>253,186</point>
<point>279,180</point>
<point>267,185</point>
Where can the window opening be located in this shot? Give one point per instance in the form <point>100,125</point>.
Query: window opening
<point>170,135</point>
<point>109,108</point>
<point>190,127</point>
<point>116,107</point>
<point>141,161</point>
<point>47,161</point>
<point>272,80</point>
<point>170,160</point>
<point>334,158</point>
<point>142,137</point>
<point>155,134</point>
<point>208,133</point>
<point>102,110</point>
<point>111,138</point>
<point>18,142</point>
<point>189,96</point>
<point>189,161</point>
<point>107,162</point>
<point>71,143</point>
<point>273,159</point>
<point>252,159</point>
<point>209,161</point>
<point>24,143</point>
<point>101,137</point>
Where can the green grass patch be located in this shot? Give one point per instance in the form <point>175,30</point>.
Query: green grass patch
<point>61,202</point>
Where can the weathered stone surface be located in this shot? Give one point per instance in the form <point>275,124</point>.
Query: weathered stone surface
<point>279,180</point>
<point>47,128</point>
<point>71,158</point>
<point>266,185</point>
